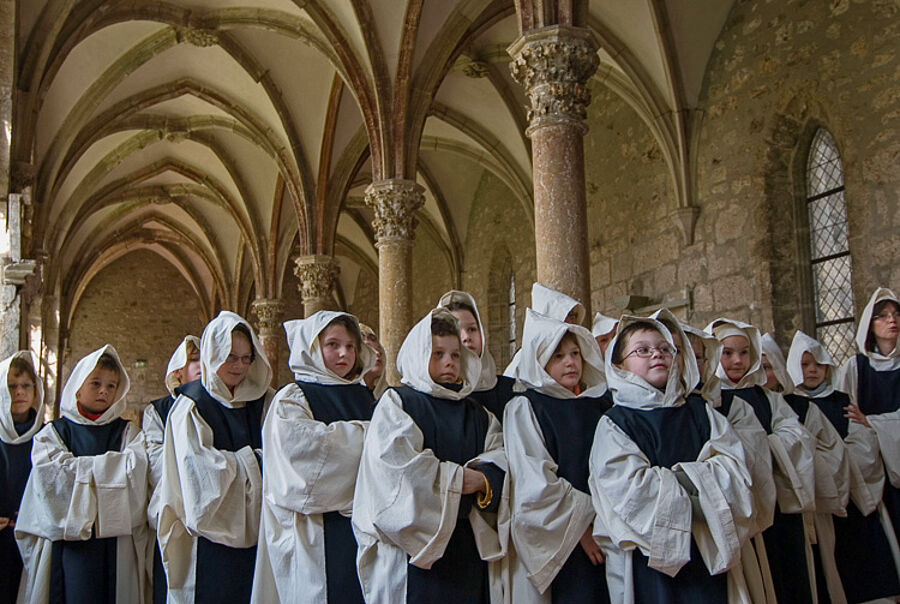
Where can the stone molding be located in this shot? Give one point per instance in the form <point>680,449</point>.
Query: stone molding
<point>686,219</point>
<point>553,65</point>
<point>395,203</point>
<point>269,313</point>
<point>317,275</point>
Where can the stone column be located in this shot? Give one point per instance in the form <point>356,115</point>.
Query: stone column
<point>269,316</point>
<point>554,64</point>
<point>317,275</point>
<point>395,203</point>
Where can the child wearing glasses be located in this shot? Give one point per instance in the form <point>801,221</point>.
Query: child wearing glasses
<point>856,555</point>
<point>184,367</point>
<point>211,484</point>
<point>312,441</point>
<point>791,448</point>
<point>668,477</point>
<point>492,391</point>
<point>82,526</point>
<point>21,416</point>
<point>429,512</point>
<point>548,432</point>
<point>872,379</point>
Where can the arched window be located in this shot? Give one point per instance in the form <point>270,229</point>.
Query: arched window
<point>829,249</point>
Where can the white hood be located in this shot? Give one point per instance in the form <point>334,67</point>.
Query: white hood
<point>554,304</point>
<point>891,360</point>
<point>8,432</point>
<point>488,377</point>
<point>756,375</point>
<point>629,389</point>
<point>803,343</point>
<point>215,346</point>
<point>306,359</point>
<point>178,361</point>
<point>691,372</point>
<point>412,360</point>
<point>776,359</point>
<point>603,325</point>
<point>68,403</point>
<point>712,353</point>
<point>540,338</point>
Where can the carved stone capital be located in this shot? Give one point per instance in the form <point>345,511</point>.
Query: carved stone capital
<point>269,313</point>
<point>554,64</point>
<point>317,275</point>
<point>395,203</point>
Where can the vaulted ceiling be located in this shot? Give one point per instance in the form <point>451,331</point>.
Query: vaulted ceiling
<point>230,135</point>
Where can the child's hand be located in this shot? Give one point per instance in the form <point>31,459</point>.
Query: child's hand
<point>4,522</point>
<point>856,416</point>
<point>473,481</point>
<point>590,546</point>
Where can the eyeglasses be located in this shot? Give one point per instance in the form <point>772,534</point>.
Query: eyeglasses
<point>27,386</point>
<point>231,359</point>
<point>887,316</point>
<point>645,352</point>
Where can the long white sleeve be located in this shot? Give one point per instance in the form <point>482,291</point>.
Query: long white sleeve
<point>792,451</point>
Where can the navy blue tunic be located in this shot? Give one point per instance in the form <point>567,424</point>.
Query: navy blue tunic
<point>455,432</point>
<point>568,427</point>
<point>335,403</point>
<point>225,574</point>
<point>785,540</point>
<point>85,571</point>
<point>15,466</point>
<point>495,399</point>
<point>667,436</point>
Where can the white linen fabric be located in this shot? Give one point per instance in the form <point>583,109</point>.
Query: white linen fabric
<point>406,499</point>
<point>310,469</point>
<point>206,491</point>
<point>643,506</point>
<point>549,515</point>
<point>602,324</point>
<point>75,498</point>
<point>773,353</point>
<point>7,425</point>
<point>154,427</point>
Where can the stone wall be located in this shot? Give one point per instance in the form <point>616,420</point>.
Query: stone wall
<point>778,71</point>
<point>143,307</point>
<point>432,274</point>
<point>499,231</point>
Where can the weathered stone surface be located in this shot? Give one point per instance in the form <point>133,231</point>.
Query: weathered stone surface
<point>317,275</point>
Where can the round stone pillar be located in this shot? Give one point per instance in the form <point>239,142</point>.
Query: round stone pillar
<point>395,203</point>
<point>269,316</point>
<point>317,275</point>
<point>554,64</point>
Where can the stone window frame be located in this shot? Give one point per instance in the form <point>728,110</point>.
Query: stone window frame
<point>806,295</point>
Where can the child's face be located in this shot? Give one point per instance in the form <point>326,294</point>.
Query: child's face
<point>444,364</point>
<point>21,392</point>
<point>191,371</point>
<point>372,342</point>
<point>603,340</point>
<point>655,367</point>
<point>338,350</point>
<point>565,366</point>
<point>735,357</point>
<point>469,332</point>
<point>699,350</point>
<point>771,378</point>
<point>814,373</point>
<point>98,392</point>
<point>233,371</point>
<point>886,324</point>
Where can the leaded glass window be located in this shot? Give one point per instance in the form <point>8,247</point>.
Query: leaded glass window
<point>829,249</point>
